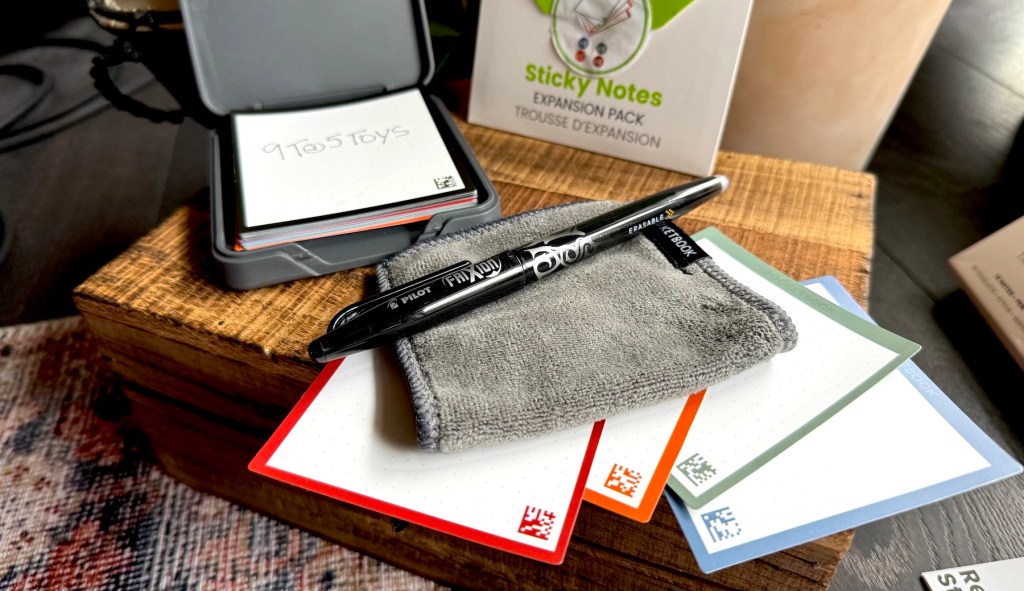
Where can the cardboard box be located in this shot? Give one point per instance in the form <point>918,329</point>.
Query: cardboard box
<point>991,272</point>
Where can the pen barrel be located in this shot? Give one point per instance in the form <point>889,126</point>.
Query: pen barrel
<point>473,286</point>
<point>454,290</point>
<point>569,246</point>
<point>412,308</point>
<point>622,222</point>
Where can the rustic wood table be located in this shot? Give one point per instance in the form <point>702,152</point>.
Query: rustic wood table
<point>210,368</point>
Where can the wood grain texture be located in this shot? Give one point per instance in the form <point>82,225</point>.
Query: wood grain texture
<point>205,361</point>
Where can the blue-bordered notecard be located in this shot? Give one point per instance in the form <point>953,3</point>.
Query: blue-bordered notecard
<point>751,417</point>
<point>900,445</point>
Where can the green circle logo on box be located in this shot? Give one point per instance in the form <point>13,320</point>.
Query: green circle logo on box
<point>598,37</point>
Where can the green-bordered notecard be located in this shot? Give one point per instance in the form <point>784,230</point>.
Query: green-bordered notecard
<point>643,80</point>
<point>753,416</point>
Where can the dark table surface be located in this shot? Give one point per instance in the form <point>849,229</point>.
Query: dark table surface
<point>948,174</point>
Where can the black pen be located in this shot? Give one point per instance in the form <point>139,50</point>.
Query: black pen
<point>421,303</point>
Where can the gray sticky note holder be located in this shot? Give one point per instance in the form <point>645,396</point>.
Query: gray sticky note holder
<point>267,55</point>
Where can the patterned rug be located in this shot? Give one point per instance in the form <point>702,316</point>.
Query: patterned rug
<point>83,506</point>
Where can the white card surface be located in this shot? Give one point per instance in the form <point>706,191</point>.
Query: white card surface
<point>308,163</point>
<point>752,416</point>
<point>1000,575</point>
<point>352,437</point>
<point>900,445</point>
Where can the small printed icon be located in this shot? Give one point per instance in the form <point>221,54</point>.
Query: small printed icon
<point>721,524</point>
<point>696,469</point>
<point>623,480</point>
<point>537,523</point>
<point>445,182</point>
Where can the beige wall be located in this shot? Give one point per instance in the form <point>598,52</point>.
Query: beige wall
<point>819,80</point>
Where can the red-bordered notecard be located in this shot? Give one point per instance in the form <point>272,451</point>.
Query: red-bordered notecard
<point>352,437</point>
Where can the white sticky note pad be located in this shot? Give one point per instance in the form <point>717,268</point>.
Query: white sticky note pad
<point>353,437</point>
<point>301,164</point>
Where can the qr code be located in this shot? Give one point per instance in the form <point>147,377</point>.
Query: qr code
<point>537,523</point>
<point>697,469</point>
<point>721,524</point>
<point>622,479</point>
<point>444,182</point>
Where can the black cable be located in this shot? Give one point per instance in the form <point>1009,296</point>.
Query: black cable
<point>11,139</point>
<point>122,52</point>
<point>43,85</point>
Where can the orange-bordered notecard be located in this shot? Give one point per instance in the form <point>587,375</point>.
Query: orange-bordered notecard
<point>636,454</point>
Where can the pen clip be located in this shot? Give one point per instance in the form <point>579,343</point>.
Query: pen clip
<point>351,312</point>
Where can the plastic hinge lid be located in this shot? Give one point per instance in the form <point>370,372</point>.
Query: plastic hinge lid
<point>271,55</point>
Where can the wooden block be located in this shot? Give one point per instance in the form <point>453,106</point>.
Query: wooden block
<point>212,368</point>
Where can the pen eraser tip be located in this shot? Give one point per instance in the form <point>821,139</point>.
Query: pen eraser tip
<point>724,180</point>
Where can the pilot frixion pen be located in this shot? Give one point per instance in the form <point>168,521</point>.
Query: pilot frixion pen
<point>422,303</point>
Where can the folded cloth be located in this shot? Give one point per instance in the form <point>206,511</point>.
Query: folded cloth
<point>624,329</point>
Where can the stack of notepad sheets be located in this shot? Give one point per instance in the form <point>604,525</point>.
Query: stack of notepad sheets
<point>840,431</point>
<point>353,167</point>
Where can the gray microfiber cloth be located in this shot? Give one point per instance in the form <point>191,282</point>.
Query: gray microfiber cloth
<point>621,330</point>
